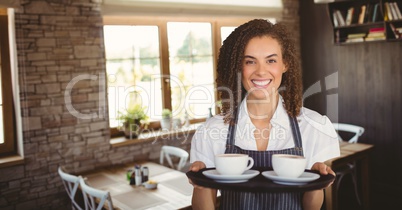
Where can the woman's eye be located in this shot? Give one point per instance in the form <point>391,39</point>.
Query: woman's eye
<point>249,62</point>
<point>271,61</point>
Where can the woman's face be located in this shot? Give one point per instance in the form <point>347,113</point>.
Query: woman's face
<point>262,68</point>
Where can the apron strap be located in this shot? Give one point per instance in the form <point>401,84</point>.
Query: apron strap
<point>232,129</point>
<point>296,134</point>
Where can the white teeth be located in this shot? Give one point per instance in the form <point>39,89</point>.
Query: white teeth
<point>261,83</point>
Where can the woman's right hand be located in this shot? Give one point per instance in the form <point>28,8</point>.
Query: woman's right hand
<point>196,166</point>
<point>203,197</point>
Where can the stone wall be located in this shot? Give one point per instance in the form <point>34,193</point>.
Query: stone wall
<point>60,51</point>
<point>290,16</point>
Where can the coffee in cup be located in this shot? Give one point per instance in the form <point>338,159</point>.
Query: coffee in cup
<point>233,164</point>
<point>290,166</point>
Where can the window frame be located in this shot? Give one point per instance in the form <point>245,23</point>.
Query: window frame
<point>9,146</point>
<point>161,23</point>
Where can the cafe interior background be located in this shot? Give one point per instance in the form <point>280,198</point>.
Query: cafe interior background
<point>53,42</point>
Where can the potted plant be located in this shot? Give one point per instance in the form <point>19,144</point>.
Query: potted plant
<point>134,120</point>
<point>166,121</point>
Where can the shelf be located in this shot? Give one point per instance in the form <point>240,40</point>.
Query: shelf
<point>360,25</point>
<point>355,21</point>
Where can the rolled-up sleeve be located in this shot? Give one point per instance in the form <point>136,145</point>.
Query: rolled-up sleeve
<point>320,140</point>
<point>208,140</point>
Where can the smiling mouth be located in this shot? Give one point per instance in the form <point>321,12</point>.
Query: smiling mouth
<point>261,82</point>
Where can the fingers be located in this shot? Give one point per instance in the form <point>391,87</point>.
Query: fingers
<point>330,171</point>
<point>197,165</point>
<point>322,168</point>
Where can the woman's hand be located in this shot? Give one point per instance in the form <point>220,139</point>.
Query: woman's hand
<point>203,198</point>
<point>313,200</point>
<point>323,169</point>
<point>196,166</point>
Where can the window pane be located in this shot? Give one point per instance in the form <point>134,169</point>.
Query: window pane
<point>191,68</point>
<point>132,66</point>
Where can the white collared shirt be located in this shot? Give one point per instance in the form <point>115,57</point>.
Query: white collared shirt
<point>319,138</point>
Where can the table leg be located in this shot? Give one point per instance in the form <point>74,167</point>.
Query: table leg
<point>364,173</point>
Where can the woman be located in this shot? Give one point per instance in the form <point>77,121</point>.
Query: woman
<point>256,61</point>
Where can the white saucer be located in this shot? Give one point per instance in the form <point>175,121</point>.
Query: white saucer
<point>214,174</point>
<point>302,179</point>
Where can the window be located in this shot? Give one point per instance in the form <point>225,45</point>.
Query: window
<point>160,64</point>
<point>191,68</point>
<point>7,133</point>
<point>132,63</point>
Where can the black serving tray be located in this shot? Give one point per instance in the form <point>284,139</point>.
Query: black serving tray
<point>259,183</point>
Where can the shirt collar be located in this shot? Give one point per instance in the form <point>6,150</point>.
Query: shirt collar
<point>280,116</point>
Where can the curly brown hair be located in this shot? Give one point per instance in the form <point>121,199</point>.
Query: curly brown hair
<point>230,60</point>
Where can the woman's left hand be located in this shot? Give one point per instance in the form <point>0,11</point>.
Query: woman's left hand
<point>322,168</point>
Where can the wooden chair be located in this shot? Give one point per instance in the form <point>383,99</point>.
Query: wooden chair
<point>91,194</point>
<point>350,168</point>
<point>71,184</point>
<point>168,151</point>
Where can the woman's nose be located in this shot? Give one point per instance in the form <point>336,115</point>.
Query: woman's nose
<point>261,69</point>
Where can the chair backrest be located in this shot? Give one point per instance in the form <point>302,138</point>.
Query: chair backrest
<point>71,184</point>
<point>357,130</point>
<point>91,194</point>
<point>167,151</point>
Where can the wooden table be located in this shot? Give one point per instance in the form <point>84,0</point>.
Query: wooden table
<point>351,152</point>
<point>173,191</point>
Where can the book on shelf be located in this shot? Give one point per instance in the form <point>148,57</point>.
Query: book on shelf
<point>375,34</point>
<point>397,34</point>
<point>374,38</point>
<point>349,16</point>
<point>336,24</point>
<point>356,35</point>
<point>387,12</point>
<point>375,13</point>
<point>393,10</point>
<point>398,11</point>
<point>339,17</point>
<point>358,39</point>
<point>379,29</point>
<point>362,14</point>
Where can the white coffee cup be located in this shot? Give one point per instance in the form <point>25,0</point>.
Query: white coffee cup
<point>290,166</point>
<point>233,164</point>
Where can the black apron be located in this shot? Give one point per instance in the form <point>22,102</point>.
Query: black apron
<point>262,200</point>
